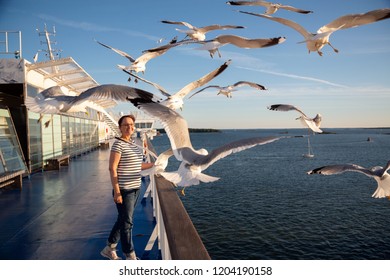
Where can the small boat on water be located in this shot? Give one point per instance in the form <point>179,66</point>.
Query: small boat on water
<point>310,153</point>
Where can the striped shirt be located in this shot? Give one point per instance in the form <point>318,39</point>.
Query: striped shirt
<point>129,166</point>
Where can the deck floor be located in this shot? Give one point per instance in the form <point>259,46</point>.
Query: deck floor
<point>68,214</point>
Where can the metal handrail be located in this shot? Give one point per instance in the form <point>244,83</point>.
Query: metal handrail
<point>175,232</point>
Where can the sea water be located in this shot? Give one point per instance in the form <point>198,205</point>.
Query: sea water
<point>265,206</point>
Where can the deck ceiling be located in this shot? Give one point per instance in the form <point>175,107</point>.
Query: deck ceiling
<point>67,73</point>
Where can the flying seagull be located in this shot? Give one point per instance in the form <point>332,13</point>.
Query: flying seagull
<point>379,173</point>
<point>313,124</point>
<point>213,45</point>
<point>176,127</point>
<point>227,90</point>
<point>175,101</point>
<point>199,33</point>
<point>316,41</point>
<point>53,101</point>
<point>159,165</point>
<point>271,7</point>
<point>139,64</point>
<point>193,161</point>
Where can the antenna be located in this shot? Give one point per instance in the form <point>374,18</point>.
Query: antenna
<point>50,52</point>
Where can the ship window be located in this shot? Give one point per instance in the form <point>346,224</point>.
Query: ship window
<point>11,156</point>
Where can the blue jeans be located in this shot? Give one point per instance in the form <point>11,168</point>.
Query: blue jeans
<point>122,229</point>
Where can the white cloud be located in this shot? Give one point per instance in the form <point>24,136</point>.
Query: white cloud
<point>293,76</point>
<point>87,26</point>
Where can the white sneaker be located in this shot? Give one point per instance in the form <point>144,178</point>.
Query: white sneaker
<point>131,256</point>
<point>110,253</point>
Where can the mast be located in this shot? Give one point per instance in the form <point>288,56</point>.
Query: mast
<point>50,52</point>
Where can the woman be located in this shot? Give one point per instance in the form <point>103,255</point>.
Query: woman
<point>125,165</point>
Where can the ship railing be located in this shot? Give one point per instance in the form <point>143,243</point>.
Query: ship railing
<point>174,231</point>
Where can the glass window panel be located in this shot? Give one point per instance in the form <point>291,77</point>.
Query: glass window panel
<point>57,143</point>
<point>11,157</point>
<point>47,137</point>
<point>35,138</point>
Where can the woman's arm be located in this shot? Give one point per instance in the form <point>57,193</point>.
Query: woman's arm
<point>113,166</point>
<point>146,165</point>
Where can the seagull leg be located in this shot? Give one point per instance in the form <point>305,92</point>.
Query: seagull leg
<point>40,118</point>
<point>336,50</point>
<point>47,124</point>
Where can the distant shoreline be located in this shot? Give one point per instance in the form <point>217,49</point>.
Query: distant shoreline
<point>208,130</point>
<point>194,130</point>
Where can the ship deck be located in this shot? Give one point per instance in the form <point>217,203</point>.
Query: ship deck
<point>68,214</point>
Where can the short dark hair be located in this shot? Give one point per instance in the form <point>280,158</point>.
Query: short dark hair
<point>125,116</point>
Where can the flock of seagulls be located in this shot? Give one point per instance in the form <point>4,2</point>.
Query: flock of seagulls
<point>193,162</point>
<point>175,101</point>
<point>213,45</point>
<point>316,41</point>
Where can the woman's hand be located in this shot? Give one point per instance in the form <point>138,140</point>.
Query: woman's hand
<point>118,198</point>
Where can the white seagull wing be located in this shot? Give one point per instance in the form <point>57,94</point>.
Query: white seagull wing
<point>286,22</point>
<point>211,86</point>
<point>122,53</point>
<point>354,20</point>
<point>268,5</point>
<point>233,147</point>
<point>310,124</point>
<point>116,92</point>
<point>179,23</point>
<point>157,86</point>
<point>251,84</point>
<point>285,108</point>
<point>203,80</point>
<point>174,124</point>
<point>383,182</point>
<point>341,168</point>
<point>208,28</point>
<point>247,43</point>
<point>42,105</point>
<point>160,164</point>
<point>293,9</point>
<point>52,91</point>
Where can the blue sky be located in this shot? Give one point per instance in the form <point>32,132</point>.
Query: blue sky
<point>349,89</point>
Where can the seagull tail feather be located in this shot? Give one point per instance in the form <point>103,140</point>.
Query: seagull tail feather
<point>206,178</point>
<point>174,177</point>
